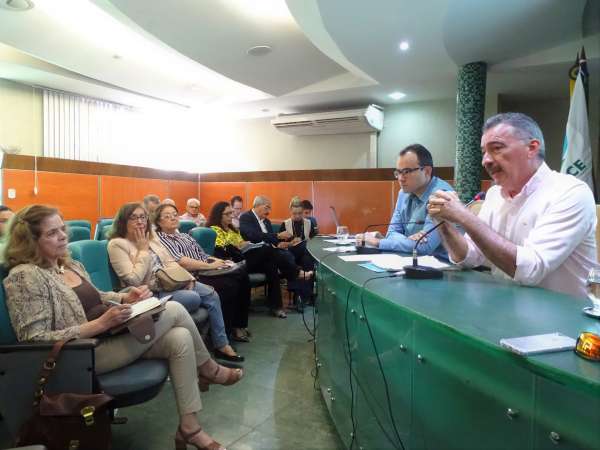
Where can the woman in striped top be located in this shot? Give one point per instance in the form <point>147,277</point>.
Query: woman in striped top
<point>233,287</point>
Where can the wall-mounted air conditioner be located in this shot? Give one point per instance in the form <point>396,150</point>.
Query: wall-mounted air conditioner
<point>362,120</point>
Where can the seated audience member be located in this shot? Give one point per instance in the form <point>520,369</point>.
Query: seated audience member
<point>307,212</point>
<point>237,204</point>
<point>233,288</point>
<point>168,201</point>
<point>192,212</point>
<point>5,215</point>
<point>301,230</point>
<point>229,245</point>
<point>151,202</point>
<point>50,297</point>
<point>414,168</point>
<point>136,254</point>
<point>536,226</point>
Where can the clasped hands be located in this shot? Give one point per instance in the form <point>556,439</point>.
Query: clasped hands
<point>445,206</point>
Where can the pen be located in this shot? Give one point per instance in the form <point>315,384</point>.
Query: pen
<point>112,302</point>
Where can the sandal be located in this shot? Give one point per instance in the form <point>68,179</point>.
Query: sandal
<point>234,376</point>
<point>306,276</point>
<point>240,338</point>
<point>279,313</point>
<point>182,440</point>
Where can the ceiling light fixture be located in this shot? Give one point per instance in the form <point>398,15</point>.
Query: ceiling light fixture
<point>396,95</point>
<point>259,50</point>
<point>16,5</point>
<point>404,46</point>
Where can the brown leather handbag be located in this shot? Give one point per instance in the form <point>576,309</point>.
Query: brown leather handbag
<point>66,421</point>
<point>173,277</point>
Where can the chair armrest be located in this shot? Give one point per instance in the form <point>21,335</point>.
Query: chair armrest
<point>77,344</point>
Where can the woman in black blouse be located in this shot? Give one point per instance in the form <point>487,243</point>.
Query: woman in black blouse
<point>233,287</point>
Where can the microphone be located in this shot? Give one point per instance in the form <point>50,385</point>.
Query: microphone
<point>364,250</point>
<point>424,272</point>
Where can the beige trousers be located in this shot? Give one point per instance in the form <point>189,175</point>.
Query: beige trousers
<point>176,339</point>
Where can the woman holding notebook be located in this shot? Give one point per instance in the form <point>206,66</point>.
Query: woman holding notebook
<point>47,294</point>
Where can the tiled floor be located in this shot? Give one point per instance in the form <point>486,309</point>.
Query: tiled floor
<point>275,406</point>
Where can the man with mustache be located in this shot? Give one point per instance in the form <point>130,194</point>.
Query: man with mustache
<point>536,227</point>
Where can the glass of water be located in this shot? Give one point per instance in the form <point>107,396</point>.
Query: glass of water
<point>593,289</point>
<point>342,233</point>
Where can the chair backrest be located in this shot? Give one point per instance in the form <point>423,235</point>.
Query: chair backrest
<point>79,223</point>
<point>475,207</point>
<point>276,224</point>
<point>78,233</point>
<point>100,227</point>
<point>205,237</point>
<point>7,334</point>
<point>186,225</point>
<point>94,257</point>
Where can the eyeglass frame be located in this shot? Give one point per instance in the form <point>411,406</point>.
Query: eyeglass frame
<point>406,171</point>
<point>135,218</point>
<point>168,216</point>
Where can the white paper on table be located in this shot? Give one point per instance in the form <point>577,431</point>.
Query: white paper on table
<point>358,258</point>
<point>348,241</point>
<point>341,249</point>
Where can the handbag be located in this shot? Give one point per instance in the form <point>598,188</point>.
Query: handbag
<point>66,421</point>
<point>173,278</point>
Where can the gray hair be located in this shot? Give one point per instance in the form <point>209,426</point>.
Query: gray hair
<point>151,198</point>
<point>260,200</point>
<point>192,200</point>
<point>525,128</point>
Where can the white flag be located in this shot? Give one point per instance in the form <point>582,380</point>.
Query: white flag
<point>577,151</point>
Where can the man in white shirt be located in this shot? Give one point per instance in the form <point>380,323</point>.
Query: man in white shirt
<point>192,212</point>
<point>536,227</point>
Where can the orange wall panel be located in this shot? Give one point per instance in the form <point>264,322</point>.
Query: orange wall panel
<point>180,191</point>
<point>213,192</point>
<point>358,203</point>
<point>280,193</point>
<point>75,195</point>
<point>119,190</point>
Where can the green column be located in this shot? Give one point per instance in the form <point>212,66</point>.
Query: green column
<point>470,104</point>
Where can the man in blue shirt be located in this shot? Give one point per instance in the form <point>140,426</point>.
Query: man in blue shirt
<point>414,169</point>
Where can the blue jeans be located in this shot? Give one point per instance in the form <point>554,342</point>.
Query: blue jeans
<point>203,296</point>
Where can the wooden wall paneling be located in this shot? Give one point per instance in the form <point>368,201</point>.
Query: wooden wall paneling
<point>358,204</point>
<point>180,191</point>
<point>119,190</point>
<point>211,193</point>
<point>280,193</point>
<point>75,195</point>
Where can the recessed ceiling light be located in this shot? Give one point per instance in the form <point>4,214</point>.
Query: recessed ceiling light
<point>16,5</point>
<point>396,95</point>
<point>117,56</point>
<point>404,46</point>
<point>265,110</point>
<point>259,50</point>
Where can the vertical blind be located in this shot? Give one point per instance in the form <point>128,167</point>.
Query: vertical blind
<point>85,129</point>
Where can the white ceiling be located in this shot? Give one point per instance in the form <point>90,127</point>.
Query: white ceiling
<point>325,53</point>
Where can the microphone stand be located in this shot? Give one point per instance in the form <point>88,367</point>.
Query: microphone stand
<point>418,272</point>
<point>364,250</point>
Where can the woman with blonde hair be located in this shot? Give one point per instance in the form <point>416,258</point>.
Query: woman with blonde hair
<point>50,297</point>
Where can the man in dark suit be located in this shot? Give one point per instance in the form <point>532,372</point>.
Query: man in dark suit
<point>255,226</point>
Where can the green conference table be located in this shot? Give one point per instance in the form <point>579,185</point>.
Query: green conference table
<point>448,383</point>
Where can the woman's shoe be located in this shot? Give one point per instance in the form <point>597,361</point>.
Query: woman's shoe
<point>306,276</point>
<point>240,338</point>
<point>280,313</point>
<point>234,376</point>
<point>233,358</point>
<point>182,440</point>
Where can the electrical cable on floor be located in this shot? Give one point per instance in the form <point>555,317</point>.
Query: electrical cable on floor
<point>387,391</point>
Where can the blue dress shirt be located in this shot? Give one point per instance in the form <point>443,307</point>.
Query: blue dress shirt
<point>412,208</point>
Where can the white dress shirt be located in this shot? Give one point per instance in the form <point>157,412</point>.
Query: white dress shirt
<point>552,222</point>
<point>261,222</point>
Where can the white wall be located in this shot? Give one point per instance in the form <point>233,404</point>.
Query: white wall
<point>255,144</point>
<point>21,117</point>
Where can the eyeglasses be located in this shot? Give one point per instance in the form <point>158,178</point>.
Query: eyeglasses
<point>134,218</point>
<point>397,173</point>
<point>193,207</point>
<point>168,216</point>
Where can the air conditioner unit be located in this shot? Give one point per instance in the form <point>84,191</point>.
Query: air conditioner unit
<point>363,120</point>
